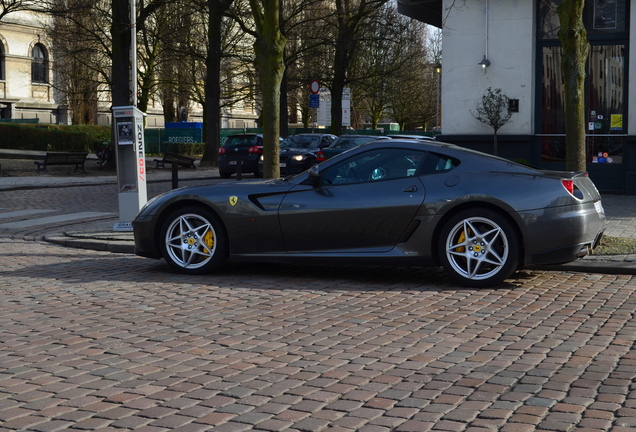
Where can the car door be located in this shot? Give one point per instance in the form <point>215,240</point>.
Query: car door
<point>363,204</point>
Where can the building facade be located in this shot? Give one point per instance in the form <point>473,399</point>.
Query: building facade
<point>26,79</point>
<point>513,45</point>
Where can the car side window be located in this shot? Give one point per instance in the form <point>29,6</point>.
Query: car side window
<point>436,163</point>
<point>375,165</point>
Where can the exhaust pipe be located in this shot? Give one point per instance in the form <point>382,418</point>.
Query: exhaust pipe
<point>585,251</point>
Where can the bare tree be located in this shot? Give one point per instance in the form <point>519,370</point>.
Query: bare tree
<point>10,6</point>
<point>349,22</point>
<point>493,111</point>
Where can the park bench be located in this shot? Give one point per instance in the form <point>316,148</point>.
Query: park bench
<point>173,158</point>
<point>62,158</point>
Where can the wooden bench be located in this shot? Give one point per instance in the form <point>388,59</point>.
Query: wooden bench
<point>173,158</point>
<point>62,158</point>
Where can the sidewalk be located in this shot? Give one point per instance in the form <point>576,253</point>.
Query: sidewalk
<point>620,211</point>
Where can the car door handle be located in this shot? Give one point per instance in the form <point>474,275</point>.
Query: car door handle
<point>410,189</point>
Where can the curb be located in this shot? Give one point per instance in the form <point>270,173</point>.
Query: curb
<point>115,246</point>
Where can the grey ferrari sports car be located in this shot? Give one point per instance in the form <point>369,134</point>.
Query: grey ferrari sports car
<point>393,202</point>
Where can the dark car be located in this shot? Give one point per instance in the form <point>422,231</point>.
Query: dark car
<point>244,149</point>
<point>346,142</point>
<point>392,203</point>
<point>299,152</point>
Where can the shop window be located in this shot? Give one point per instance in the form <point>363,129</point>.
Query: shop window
<point>605,86</point>
<point>39,64</point>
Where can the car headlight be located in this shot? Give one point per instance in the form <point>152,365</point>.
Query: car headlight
<point>299,157</point>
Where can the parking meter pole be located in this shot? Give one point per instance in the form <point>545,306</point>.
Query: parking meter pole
<point>175,176</point>
<point>130,153</point>
<point>239,170</point>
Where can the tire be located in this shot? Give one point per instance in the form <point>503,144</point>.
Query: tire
<point>193,241</point>
<point>479,248</point>
<point>225,174</point>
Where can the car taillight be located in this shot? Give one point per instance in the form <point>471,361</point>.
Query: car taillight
<point>256,149</point>
<point>320,156</point>
<point>222,150</point>
<point>569,186</point>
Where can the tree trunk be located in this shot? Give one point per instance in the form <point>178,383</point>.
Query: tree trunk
<point>343,57</point>
<point>212,108</point>
<point>573,37</point>
<point>270,66</point>
<point>121,42</point>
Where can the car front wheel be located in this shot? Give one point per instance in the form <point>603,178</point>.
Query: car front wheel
<point>479,248</point>
<point>193,241</point>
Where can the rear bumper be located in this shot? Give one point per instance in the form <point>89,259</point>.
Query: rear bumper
<point>562,234</point>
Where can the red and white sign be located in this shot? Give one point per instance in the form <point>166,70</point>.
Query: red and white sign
<point>314,87</point>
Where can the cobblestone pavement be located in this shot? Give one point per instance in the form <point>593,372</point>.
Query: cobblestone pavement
<point>111,342</point>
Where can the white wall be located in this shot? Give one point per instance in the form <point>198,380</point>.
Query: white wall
<point>504,29</point>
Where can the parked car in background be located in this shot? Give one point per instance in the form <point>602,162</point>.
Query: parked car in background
<point>299,152</point>
<point>410,136</point>
<point>346,142</point>
<point>390,203</point>
<point>244,149</point>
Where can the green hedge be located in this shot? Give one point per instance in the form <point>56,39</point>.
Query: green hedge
<point>48,137</point>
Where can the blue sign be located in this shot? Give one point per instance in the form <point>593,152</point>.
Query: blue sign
<point>314,101</point>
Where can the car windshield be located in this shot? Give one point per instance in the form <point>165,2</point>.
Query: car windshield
<point>235,141</point>
<point>300,141</point>
<point>347,143</point>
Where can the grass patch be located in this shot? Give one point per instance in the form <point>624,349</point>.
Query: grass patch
<point>615,246</point>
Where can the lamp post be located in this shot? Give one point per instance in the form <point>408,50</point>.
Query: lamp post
<point>438,71</point>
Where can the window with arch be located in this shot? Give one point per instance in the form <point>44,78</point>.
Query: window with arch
<point>2,77</point>
<point>39,64</point>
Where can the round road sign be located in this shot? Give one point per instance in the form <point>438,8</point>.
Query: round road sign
<point>314,87</point>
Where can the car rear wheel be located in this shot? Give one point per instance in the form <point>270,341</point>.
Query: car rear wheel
<point>193,241</point>
<point>225,174</point>
<point>479,248</point>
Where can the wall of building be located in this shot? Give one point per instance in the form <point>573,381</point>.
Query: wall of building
<point>503,30</point>
<point>19,32</point>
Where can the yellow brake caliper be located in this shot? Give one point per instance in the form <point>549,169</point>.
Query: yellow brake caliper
<point>461,239</point>
<point>208,238</point>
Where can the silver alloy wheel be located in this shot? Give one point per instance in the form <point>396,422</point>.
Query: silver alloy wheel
<point>190,241</point>
<point>477,248</point>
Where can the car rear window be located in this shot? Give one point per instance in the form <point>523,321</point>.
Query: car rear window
<point>236,141</point>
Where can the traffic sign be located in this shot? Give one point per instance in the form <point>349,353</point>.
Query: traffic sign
<point>314,87</point>
<point>314,101</point>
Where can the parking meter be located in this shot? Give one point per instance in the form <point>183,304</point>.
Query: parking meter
<point>128,134</point>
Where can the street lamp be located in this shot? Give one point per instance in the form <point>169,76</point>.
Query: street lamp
<point>438,71</point>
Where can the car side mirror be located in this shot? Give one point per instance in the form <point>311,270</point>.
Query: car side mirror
<point>314,175</point>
